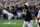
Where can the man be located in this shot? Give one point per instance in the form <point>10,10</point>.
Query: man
<point>28,19</point>
<point>14,12</point>
<point>10,15</point>
<point>38,17</point>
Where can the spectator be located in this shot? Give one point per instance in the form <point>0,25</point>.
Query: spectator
<point>19,14</point>
<point>1,13</point>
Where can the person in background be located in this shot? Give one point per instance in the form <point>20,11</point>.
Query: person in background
<point>15,13</point>
<point>10,15</point>
<point>38,18</point>
<point>1,13</point>
<point>19,15</point>
<point>33,12</point>
<point>36,13</point>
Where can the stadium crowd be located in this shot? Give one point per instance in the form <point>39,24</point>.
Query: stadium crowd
<point>18,11</point>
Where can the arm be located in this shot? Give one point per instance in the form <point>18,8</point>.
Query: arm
<point>38,17</point>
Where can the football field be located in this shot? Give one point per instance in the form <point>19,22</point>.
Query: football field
<point>19,23</point>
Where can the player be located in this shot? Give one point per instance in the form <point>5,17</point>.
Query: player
<point>10,15</point>
<point>28,19</point>
<point>38,17</point>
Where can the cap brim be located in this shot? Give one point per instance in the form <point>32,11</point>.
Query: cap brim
<point>27,4</point>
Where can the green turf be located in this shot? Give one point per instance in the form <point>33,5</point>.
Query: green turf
<point>19,23</point>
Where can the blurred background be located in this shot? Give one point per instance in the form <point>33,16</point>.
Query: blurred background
<point>16,7</point>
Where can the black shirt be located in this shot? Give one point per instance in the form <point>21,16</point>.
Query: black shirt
<point>28,16</point>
